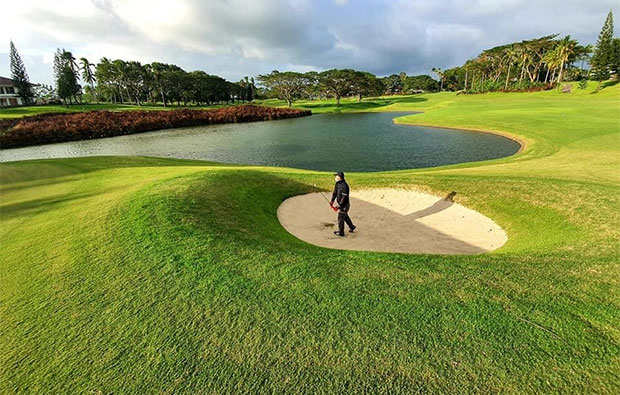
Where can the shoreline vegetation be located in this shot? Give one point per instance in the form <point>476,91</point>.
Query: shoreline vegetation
<point>61,127</point>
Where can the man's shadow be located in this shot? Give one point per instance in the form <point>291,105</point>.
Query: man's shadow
<point>437,207</point>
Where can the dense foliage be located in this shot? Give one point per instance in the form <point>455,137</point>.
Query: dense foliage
<point>50,128</point>
<point>19,75</point>
<point>527,65</point>
<point>339,83</point>
<point>606,57</point>
<point>66,77</point>
<point>536,64</point>
<point>122,81</point>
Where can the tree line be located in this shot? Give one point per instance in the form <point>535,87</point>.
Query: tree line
<point>120,81</point>
<point>538,63</point>
<point>339,83</point>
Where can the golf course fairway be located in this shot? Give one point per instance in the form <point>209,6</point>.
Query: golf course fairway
<point>142,275</point>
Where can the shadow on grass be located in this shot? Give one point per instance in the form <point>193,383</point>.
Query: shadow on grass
<point>38,206</point>
<point>40,169</point>
<point>606,84</point>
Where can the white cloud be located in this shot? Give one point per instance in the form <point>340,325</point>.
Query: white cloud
<point>234,38</point>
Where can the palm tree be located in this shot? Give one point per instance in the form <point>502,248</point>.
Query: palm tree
<point>158,70</point>
<point>565,48</point>
<point>525,60</point>
<point>440,74</point>
<point>119,68</point>
<point>583,53</point>
<point>68,57</point>
<point>88,76</point>
<point>511,56</point>
<point>553,61</point>
<point>104,74</point>
<point>69,60</point>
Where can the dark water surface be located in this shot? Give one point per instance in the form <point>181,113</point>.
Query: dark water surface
<point>350,142</point>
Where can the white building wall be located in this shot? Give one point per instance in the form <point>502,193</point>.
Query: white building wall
<point>9,97</point>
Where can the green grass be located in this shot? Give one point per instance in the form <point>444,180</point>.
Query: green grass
<point>18,112</point>
<point>141,275</point>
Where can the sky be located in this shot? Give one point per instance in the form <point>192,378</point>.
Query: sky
<point>237,38</point>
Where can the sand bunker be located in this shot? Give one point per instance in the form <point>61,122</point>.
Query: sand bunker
<point>393,220</point>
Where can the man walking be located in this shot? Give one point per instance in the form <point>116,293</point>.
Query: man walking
<point>340,200</point>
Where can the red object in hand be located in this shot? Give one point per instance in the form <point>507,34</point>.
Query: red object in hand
<point>333,208</point>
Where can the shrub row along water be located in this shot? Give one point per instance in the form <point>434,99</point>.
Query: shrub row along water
<point>53,128</point>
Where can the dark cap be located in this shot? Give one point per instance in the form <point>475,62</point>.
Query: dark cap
<point>339,174</point>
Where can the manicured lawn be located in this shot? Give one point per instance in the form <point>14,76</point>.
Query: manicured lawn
<point>17,112</point>
<point>140,275</point>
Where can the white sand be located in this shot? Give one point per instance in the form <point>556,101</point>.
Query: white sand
<point>393,220</point>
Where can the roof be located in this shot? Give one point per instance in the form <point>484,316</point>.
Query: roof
<point>6,81</point>
<point>9,82</point>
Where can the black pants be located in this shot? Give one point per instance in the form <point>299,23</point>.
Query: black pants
<point>343,216</point>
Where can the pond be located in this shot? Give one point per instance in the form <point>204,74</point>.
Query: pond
<point>348,142</point>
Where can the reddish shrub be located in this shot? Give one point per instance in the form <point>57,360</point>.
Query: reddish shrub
<point>52,128</point>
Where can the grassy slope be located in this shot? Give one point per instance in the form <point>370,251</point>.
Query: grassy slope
<point>136,274</point>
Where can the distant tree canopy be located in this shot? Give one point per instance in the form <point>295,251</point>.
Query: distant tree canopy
<point>420,83</point>
<point>530,64</point>
<point>286,85</point>
<point>536,64</point>
<point>121,81</point>
<point>339,83</point>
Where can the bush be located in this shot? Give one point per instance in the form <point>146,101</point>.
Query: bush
<point>498,86</point>
<point>583,83</point>
<point>52,128</point>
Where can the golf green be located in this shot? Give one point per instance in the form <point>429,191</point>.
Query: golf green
<point>134,274</point>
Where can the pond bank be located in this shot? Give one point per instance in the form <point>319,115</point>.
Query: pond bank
<point>54,128</point>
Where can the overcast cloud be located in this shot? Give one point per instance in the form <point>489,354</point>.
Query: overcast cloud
<point>234,38</point>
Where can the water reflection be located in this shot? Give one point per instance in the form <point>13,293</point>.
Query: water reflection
<point>352,142</point>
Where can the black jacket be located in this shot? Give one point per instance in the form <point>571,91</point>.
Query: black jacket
<point>341,193</point>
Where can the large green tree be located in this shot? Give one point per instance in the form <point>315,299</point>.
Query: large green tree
<point>287,85</point>
<point>440,73</point>
<point>366,84</point>
<point>88,76</point>
<point>565,48</point>
<point>65,76</point>
<point>104,76</point>
<point>67,84</point>
<point>20,76</point>
<point>420,83</point>
<point>393,84</point>
<point>614,64</point>
<point>603,52</point>
<point>337,83</point>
